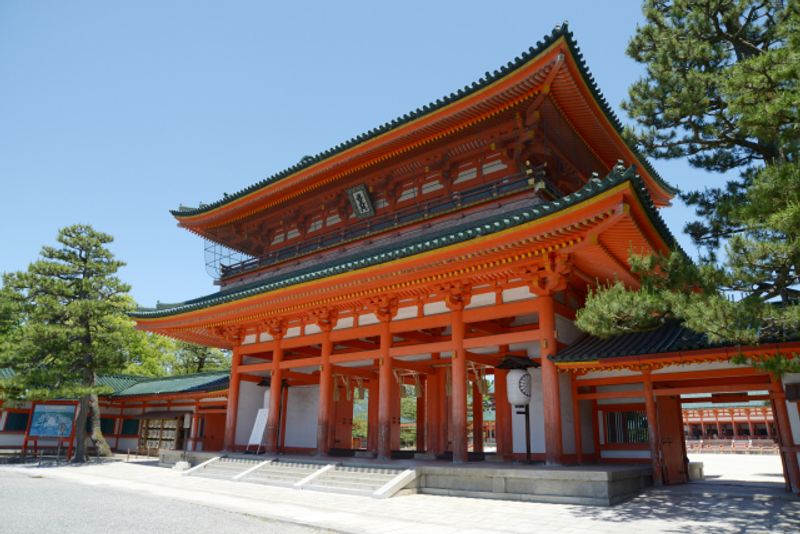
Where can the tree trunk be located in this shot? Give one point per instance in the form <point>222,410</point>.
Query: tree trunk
<point>100,443</point>
<point>79,453</point>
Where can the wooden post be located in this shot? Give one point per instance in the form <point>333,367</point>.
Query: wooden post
<point>458,413</point>
<point>576,420</point>
<point>502,415</point>
<point>596,428</point>
<point>550,390</point>
<point>372,415</point>
<point>749,422</point>
<point>385,392</point>
<point>233,402</point>
<point>276,377</point>
<point>284,409</point>
<point>421,417</point>
<point>325,413</point>
<point>733,423</point>
<point>432,408</point>
<point>477,418</point>
<point>785,440</point>
<point>652,429</point>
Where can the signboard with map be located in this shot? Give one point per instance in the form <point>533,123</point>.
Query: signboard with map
<point>52,420</point>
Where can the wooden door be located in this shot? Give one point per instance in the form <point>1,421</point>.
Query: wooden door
<point>343,417</point>
<point>673,448</point>
<point>213,431</point>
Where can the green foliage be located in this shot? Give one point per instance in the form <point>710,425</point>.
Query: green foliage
<point>72,313</point>
<point>722,88</point>
<point>190,358</point>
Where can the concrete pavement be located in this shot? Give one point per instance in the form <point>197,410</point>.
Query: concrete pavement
<point>695,508</point>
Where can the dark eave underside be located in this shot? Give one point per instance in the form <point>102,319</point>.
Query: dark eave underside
<point>488,79</point>
<point>432,241</point>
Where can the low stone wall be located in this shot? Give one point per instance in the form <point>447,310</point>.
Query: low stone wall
<point>601,486</point>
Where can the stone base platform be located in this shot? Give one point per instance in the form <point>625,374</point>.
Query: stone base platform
<point>599,485</point>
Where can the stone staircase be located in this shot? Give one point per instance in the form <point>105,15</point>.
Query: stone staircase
<point>315,476</point>
<point>281,473</point>
<point>225,468</point>
<point>353,480</point>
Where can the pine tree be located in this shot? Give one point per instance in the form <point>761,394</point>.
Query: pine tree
<point>190,358</point>
<point>722,88</point>
<point>72,312</point>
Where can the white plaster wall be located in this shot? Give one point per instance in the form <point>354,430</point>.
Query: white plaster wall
<point>251,398</point>
<point>709,366</point>
<point>607,374</point>
<point>126,444</point>
<point>482,299</point>
<point>11,440</point>
<point>301,416</point>
<point>517,293</point>
<point>566,330</point>
<point>537,418</point>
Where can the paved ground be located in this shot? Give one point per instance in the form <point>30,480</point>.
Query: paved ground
<point>43,505</point>
<point>165,499</point>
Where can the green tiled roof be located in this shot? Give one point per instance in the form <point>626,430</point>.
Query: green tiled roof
<point>118,383</point>
<point>129,385</point>
<point>487,79</point>
<point>671,337</point>
<point>431,241</point>
<point>178,384</point>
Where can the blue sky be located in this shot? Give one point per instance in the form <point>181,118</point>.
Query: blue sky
<point>112,113</point>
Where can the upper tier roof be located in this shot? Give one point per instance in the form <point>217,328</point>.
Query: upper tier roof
<point>435,240</point>
<point>246,201</point>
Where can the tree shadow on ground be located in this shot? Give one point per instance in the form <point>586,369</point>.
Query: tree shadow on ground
<point>711,508</point>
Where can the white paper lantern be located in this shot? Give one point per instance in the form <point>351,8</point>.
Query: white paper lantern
<point>518,386</point>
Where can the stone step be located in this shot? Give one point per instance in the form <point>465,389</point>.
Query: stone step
<point>340,489</point>
<point>349,484</point>
<point>355,479</point>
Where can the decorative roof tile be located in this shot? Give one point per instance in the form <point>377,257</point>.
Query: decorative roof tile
<point>671,337</point>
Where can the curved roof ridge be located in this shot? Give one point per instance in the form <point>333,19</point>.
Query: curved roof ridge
<point>561,30</point>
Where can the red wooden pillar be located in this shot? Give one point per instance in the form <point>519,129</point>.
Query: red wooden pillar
<point>652,429</point>
<point>733,424</point>
<point>458,414</point>
<point>550,393</point>
<point>284,409</point>
<point>576,420</point>
<point>421,426</point>
<point>372,415</point>
<point>325,413</point>
<point>785,440</point>
<point>276,377</point>
<point>749,423</point>
<point>502,415</point>
<point>477,418</point>
<point>432,412</point>
<point>385,392</point>
<point>233,402</point>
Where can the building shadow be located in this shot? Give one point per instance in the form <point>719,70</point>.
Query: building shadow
<point>709,507</point>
